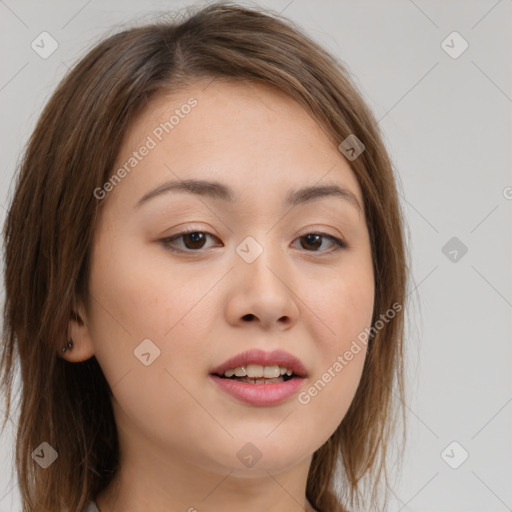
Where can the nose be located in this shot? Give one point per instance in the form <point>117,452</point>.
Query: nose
<point>262,293</point>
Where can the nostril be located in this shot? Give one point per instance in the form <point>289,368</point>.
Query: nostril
<point>250,316</point>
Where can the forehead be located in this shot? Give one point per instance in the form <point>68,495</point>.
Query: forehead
<point>251,136</point>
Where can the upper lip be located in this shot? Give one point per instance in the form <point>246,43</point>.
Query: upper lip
<point>256,356</point>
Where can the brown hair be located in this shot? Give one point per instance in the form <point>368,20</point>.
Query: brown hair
<point>52,217</point>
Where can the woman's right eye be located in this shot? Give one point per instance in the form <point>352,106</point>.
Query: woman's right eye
<point>193,240</point>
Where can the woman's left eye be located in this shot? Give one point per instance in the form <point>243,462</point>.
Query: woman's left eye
<point>316,239</point>
<point>194,240</point>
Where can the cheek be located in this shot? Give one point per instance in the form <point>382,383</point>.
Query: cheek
<point>138,296</point>
<point>342,308</point>
<point>341,355</point>
<point>132,302</point>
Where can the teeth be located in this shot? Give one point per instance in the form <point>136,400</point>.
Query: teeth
<point>240,371</point>
<point>262,381</point>
<point>255,371</point>
<point>270,372</point>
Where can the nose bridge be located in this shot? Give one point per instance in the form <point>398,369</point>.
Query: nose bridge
<point>262,267</point>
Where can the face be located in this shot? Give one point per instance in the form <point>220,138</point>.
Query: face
<point>256,271</point>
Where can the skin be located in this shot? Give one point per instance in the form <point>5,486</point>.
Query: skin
<point>179,434</point>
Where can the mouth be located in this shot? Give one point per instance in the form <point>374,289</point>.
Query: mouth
<point>258,374</point>
<point>258,367</point>
<point>260,378</point>
<point>259,381</point>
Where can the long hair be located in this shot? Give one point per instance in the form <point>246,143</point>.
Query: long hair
<point>52,219</point>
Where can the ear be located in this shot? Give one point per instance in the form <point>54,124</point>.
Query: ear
<point>82,348</point>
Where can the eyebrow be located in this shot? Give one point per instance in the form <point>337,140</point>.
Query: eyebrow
<point>216,190</point>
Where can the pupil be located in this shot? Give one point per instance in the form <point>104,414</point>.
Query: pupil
<point>312,239</point>
<point>195,237</point>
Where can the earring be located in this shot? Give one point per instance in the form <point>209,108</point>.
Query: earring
<point>68,346</point>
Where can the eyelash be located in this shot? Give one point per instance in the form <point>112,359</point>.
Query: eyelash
<point>338,243</point>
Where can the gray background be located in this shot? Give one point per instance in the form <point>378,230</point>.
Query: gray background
<point>447,124</point>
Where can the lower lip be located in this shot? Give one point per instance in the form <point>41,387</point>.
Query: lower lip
<point>259,394</point>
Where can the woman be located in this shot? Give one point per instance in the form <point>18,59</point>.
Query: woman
<point>161,372</point>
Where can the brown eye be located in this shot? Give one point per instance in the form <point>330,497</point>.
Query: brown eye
<point>313,241</point>
<point>193,241</point>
